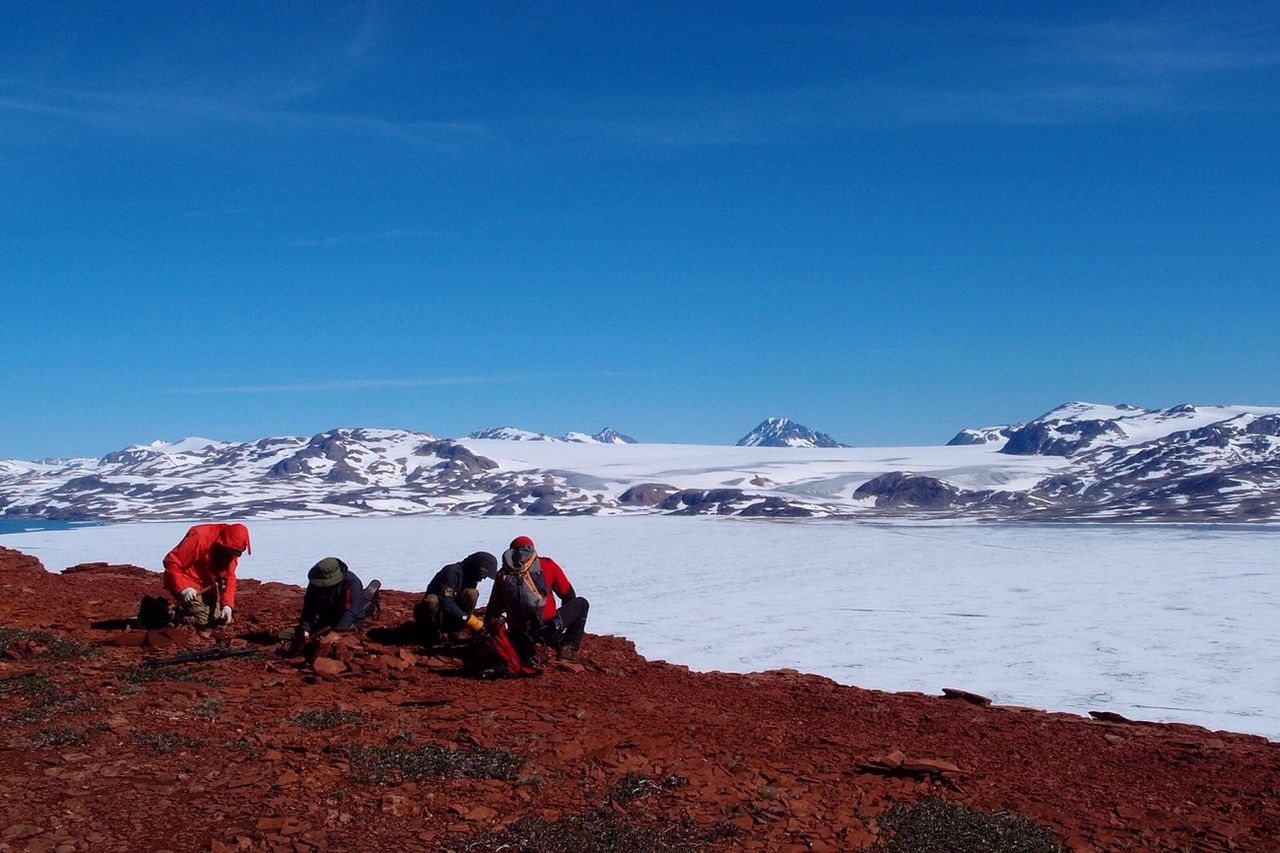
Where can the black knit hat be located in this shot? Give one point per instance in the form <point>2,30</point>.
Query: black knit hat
<point>481,563</point>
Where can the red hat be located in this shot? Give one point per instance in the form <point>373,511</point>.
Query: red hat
<point>235,537</point>
<point>521,542</point>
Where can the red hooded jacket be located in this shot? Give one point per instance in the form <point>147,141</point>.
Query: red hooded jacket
<point>190,563</point>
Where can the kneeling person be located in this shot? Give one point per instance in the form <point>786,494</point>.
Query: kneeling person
<point>200,573</point>
<point>335,600</point>
<point>524,590</point>
<point>451,597</point>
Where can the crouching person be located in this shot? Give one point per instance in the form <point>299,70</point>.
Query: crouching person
<point>200,573</point>
<point>525,590</point>
<point>335,600</point>
<point>451,597</point>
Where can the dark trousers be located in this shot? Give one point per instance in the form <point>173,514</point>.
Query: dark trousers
<point>573,616</point>
<point>433,620</point>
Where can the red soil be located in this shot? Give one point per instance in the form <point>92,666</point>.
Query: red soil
<point>772,761</point>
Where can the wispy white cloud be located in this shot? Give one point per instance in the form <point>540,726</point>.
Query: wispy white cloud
<point>1178,61</point>
<point>366,36</point>
<point>329,385</point>
<point>1033,103</point>
<point>283,100</point>
<point>491,225</point>
<point>334,240</point>
<point>1181,43</point>
<point>167,112</point>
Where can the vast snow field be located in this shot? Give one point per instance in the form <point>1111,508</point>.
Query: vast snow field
<point>1153,622</point>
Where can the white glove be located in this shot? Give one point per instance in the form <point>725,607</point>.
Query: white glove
<point>226,613</point>
<point>189,595</point>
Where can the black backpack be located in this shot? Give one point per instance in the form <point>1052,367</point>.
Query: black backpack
<point>153,612</point>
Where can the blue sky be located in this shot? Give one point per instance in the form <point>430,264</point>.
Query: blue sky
<point>888,221</point>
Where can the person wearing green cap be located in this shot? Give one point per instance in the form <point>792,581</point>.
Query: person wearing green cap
<point>335,599</point>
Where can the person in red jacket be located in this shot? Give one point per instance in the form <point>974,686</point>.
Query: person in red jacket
<point>200,573</point>
<point>524,591</point>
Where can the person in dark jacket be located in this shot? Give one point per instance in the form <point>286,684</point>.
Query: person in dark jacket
<point>524,591</point>
<point>451,597</point>
<point>335,599</point>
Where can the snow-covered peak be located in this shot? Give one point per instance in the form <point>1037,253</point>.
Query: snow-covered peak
<point>191,444</point>
<point>509,433</point>
<point>1081,410</point>
<point>784,432</point>
<point>608,435</point>
<point>993,437</point>
<point>1077,426</point>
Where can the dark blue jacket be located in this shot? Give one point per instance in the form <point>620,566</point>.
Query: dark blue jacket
<point>339,607</point>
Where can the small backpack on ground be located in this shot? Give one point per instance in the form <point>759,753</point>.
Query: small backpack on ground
<point>494,655</point>
<point>153,612</point>
<point>372,600</point>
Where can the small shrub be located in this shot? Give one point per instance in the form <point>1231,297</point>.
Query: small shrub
<point>61,648</point>
<point>637,786</point>
<point>321,718</point>
<point>30,685</point>
<point>57,737</point>
<point>163,742</point>
<point>936,824</point>
<point>599,831</point>
<point>49,704</point>
<point>208,707</point>
<point>52,646</point>
<point>150,675</point>
<point>392,766</point>
<point>43,699</point>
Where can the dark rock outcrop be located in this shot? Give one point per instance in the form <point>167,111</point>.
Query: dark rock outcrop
<point>901,489</point>
<point>646,494</point>
<point>1058,439</point>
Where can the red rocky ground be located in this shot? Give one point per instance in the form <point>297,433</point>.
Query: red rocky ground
<point>98,754</point>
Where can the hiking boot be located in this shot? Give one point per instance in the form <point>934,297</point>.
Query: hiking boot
<point>568,653</point>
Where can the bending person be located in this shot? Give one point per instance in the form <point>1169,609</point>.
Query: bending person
<point>335,600</point>
<point>200,573</point>
<point>451,597</point>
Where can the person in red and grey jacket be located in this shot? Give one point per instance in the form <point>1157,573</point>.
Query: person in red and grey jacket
<point>200,572</point>
<point>524,591</point>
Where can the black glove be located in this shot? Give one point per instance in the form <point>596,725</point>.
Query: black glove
<point>553,631</point>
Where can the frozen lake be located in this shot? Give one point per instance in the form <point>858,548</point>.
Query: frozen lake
<point>1153,622</point>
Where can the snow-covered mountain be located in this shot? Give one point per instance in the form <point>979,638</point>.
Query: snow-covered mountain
<point>1076,427</point>
<point>1195,461</point>
<point>995,436</point>
<point>784,432</point>
<point>608,435</point>
<point>1080,460</point>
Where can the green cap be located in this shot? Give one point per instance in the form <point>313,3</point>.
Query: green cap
<point>327,572</point>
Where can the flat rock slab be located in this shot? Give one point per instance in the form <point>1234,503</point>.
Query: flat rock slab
<point>965,696</point>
